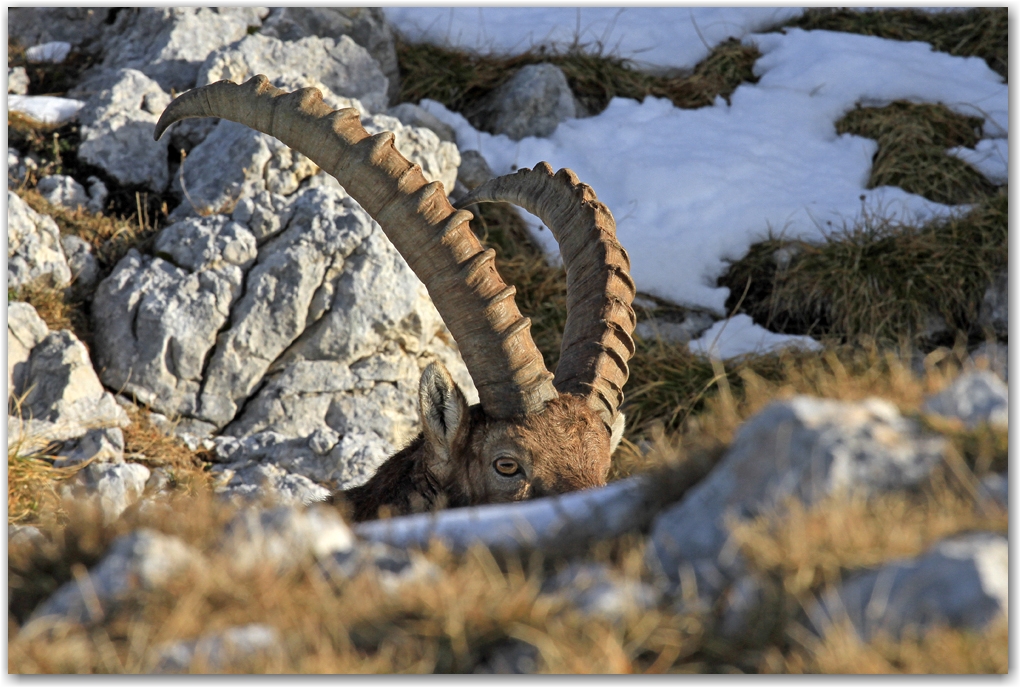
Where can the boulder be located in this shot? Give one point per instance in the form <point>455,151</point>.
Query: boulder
<point>531,103</point>
<point>683,332</point>
<point>596,590</point>
<point>961,582</point>
<point>33,246</point>
<point>157,323</point>
<point>974,398</point>
<point>17,80</point>
<point>110,487</point>
<point>79,26</point>
<point>25,329</point>
<point>63,191</point>
<point>474,170</point>
<point>341,65</point>
<point>60,386</point>
<point>367,26</point>
<point>169,44</point>
<point>283,537</point>
<point>144,559</point>
<point>83,265</point>
<point>233,165</point>
<point>235,162</point>
<point>410,114</point>
<point>101,445</point>
<point>231,650</point>
<point>251,481</point>
<point>118,121</point>
<point>20,167</point>
<point>804,448</point>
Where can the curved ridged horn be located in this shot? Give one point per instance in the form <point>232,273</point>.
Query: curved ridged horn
<point>434,239</point>
<point>597,339</point>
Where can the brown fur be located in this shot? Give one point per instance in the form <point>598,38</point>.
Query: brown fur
<point>563,448</point>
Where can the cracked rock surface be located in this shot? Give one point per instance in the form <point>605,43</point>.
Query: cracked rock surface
<point>120,114</point>
<point>341,65</point>
<point>169,44</point>
<point>33,246</point>
<point>293,328</point>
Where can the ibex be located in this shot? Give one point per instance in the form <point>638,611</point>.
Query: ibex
<point>532,434</point>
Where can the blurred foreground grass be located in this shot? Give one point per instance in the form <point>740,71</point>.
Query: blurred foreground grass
<point>864,292</point>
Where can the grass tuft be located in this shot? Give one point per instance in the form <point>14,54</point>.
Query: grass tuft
<point>881,279</point>
<point>461,80</point>
<point>912,142</point>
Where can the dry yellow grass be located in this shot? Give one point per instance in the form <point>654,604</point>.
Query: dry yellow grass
<point>811,547</point>
<point>940,651</point>
<point>436,624</point>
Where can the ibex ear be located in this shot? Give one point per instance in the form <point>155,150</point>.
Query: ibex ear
<point>444,415</point>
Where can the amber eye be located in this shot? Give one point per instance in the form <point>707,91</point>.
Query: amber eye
<point>507,466</point>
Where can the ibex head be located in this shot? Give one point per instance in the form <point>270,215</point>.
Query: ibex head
<point>532,433</point>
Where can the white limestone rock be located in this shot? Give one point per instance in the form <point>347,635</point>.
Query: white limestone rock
<point>961,582</point>
<point>251,481</point>
<point>25,329</point>
<point>63,190</point>
<point>367,26</point>
<point>144,559</point>
<point>60,386</point>
<point>342,65</point>
<point>232,163</point>
<point>79,26</point>
<point>410,114</point>
<point>111,487</point>
<point>101,445</point>
<point>283,537</point>
<point>805,448</point>
<point>233,166</point>
<point>170,44</point>
<point>83,265</point>
<point>975,397</point>
<point>231,650</point>
<point>17,80</point>
<point>532,103</point>
<point>33,246</point>
<point>156,323</point>
<point>118,121</point>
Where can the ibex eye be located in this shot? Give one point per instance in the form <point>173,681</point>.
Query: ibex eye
<point>507,466</point>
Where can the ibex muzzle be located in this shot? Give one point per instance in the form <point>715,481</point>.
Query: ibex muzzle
<point>532,434</point>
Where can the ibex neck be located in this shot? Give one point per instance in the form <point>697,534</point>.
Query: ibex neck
<point>401,486</point>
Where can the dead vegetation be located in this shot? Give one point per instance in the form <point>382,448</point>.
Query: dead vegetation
<point>864,291</point>
<point>880,279</point>
<point>461,81</point>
